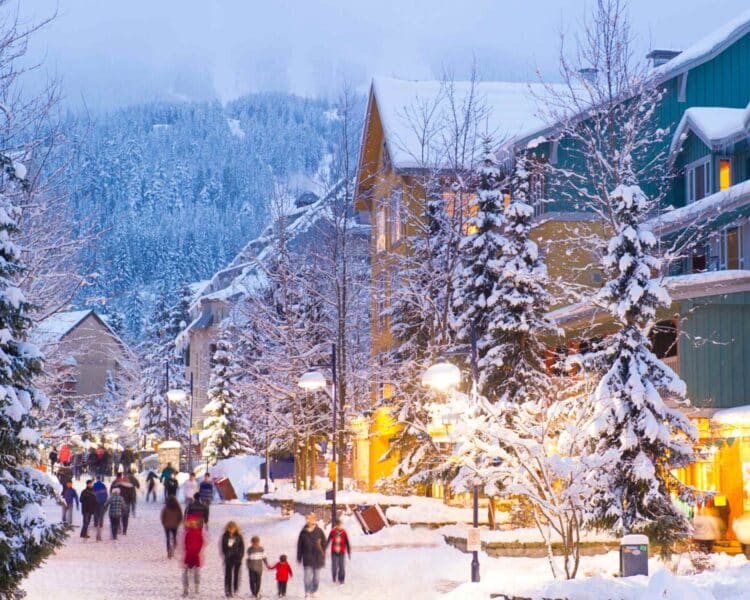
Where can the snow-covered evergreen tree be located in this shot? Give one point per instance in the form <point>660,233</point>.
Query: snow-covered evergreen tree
<point>640,438</point>
<point>481,250</point>
<point>27,537</point>
<point>223,433</point>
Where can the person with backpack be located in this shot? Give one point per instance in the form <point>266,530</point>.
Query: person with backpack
<point>89,508</point>
<point>100,491</point>
<point>171,517</point>
<point>311,554</point>
<point>339,542</point>
<point>70,497</point>
<point>283,574</point>
<point>114,505</point>
<point>232,550</point>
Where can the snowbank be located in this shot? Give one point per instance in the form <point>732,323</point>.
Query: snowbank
<point>242,471</point>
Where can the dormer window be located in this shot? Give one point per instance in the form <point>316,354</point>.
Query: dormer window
<point>698,180</point>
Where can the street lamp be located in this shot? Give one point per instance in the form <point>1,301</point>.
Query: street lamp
<point>313,381</point>
<point>443,376</point>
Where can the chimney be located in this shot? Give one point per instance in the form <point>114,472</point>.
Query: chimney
<point>659,57</point>
<point>590,74</point>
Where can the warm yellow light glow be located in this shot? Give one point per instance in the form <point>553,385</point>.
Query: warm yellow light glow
<point>725,173</point>
<point>442,376</point>
<point>176,396</point>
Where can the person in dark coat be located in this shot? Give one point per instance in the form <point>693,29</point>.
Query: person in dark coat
<point>136,486</point>
<point>127,492</point>
<point>171,517</point>
<point>151,479</point>
<point>206,490</point>
<point>89,507</point>
<point>52,459</point>
<point>70,497</point>
<point>196,509</point>
<point>126,459</point>
<point>91,461</point>
<point>100,491</point>
<point>114,505</point>
<point>171,486</point>
<point>232,550</point>
<point>311,553</point>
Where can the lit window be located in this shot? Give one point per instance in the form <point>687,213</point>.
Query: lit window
<point>462,205</point>
<point>397,214</point>
<point>698,180</point>
<point>725,173</point>
<point>731,248</point>
<point>380,224</point>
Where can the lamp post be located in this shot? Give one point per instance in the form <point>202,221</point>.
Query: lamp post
<point>443,376</point>
<point>315,380</point>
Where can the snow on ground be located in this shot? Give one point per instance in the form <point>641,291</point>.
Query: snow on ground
<point>243,472</point>
<point>397,562</point>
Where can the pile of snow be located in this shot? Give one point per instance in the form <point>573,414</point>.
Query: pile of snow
<point>242,471</point>
<point>522,535</point>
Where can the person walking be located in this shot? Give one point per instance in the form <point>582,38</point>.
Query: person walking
<point>89,508</point>
<point>206,490</point>
<point>100,491</point>
<point>126,459</point>
<point>127,492</point>
<point>189,488</point>
<point>283,574</point>
<point>232,550</point>
<point>256,560</point>
<point>114,505</point>
<point>171,485</point>
<point>192,548</point>
<point>70,497</point>
<point>52,460</point>
<point>151,479</point>
<point>136,486</point>
<point>339,541</point>
<point>166,475</point>
<point>171,517</point>
<point>311,554</point>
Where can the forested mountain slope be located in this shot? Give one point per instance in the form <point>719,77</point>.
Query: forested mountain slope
<point>175,190</point>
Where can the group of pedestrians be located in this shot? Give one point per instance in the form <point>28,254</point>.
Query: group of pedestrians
<point>99,461</point>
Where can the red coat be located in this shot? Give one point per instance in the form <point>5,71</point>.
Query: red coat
<point>283,571</point>
<point>193,543</point>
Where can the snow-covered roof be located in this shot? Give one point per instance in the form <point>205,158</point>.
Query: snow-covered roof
<point>706,48</point>
<point>52,329</point>
<point>736,416</point>
<point>716,126</point>
<point>680,287</point>
<point>512,111</point>
<point>704,210</point>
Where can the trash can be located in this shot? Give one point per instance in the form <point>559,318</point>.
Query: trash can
<point>633,555</point>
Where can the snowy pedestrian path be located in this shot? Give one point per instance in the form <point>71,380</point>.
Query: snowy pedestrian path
<point>136,567</point>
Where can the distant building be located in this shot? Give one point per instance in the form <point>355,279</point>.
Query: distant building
<point>85,346</point>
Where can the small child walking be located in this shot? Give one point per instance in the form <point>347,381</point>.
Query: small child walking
<point>283,574</point>
<point>340,548</point>
<point>256,560</point>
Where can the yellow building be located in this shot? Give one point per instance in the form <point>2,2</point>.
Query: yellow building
<point>406,126</point>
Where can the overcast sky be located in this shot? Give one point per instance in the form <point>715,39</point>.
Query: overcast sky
<point>112,52</point>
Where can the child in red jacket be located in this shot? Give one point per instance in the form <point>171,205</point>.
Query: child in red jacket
<point>340,548</point>
<point>193,549</point>
<point>283,573</point>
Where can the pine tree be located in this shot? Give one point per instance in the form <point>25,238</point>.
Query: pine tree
<point>223,433</point>
<point>481,249</point>
<point>639,438</point>
<point>26,536</point>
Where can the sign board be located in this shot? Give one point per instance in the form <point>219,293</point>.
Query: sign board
<point>473,540</point>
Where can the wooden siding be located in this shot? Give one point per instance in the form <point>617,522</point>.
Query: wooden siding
<point>715,350</point>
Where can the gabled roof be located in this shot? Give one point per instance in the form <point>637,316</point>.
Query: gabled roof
<point>54,328</point>
<point>512,111</point>
<point>706,48</point>
<point>718,127</point>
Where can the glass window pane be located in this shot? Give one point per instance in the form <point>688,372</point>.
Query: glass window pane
<point>725,174</point>
<point>700,181</point>
<point>733,248</point>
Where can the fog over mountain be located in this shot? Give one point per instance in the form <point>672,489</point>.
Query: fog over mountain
<point>118,52</point>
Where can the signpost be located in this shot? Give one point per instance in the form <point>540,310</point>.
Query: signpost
<point>473,540</point>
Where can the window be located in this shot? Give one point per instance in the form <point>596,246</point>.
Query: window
<point>380,304</point>
<point>211,355</point>
<point>698,180</point>
<point>380,224</point>
<point>725,173</point>
<point>731,248</point>
<point>699,259</point>
<point>664,339</point>
<point>397,215</point>
<point>462,205</point>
